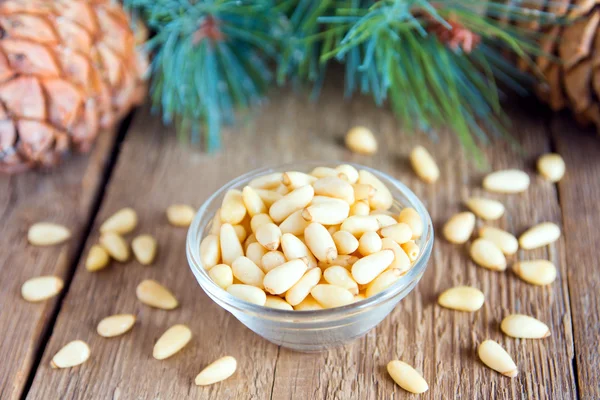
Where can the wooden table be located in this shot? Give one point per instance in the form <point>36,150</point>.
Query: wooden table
<point>145,167</point>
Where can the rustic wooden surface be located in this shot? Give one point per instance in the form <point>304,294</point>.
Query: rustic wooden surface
<point>154,171</point>
<point>65,195</point>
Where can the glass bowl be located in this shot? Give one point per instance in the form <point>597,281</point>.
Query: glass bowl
<point>320,329</point>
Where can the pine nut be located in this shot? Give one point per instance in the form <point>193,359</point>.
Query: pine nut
<point>115,246</point>
<point>278,303</point>
<point>330,296</point>
<point>400,233</point>
<point>215,226</point>
<point>333,186</point>
<point>269,235</point>
<point>222,275</point>
<point>412,250</point>
<point>47,234</point>
<point>382,199</point>
<point>340,276</point>
<point>294,248</point>
<point>358,225</point>
<point>155,295</point>
<point>144,249</point>
<point>247,272</point>
<point>283,277</point>
<point>345,261</point>
<point>97,258</point>
<point>269,181</point>
<point>210,251</point>
<point>320,242</point>
<point>369,243</point>
<point>367,268</point>
<point>345,242</point>
<point>361,140</point>
<point>462,298</point>
<point>72,354</point>
<point>231,248</point>
<point>218,371</point>
<point>424,165</point>
<point>115,325</point>
<point>361,207</point>
<point>506,242</point>
<point>459,227</point>
<point>551,166</point>
<point>495,357</point>
<point>41,288</point>
<point>349,171</point>
<point>255,252</point>
<point>536,272</point>
<point>272,260</point>
<point>173,340</point>
<point>524,327</point>
<point>401,260</point>
<point>298,293</point>
<point>407,377</point>
<point>411,217</point>
<point>240,232</point>
<point>248,293</point>
<point>294,224</point>
<point>294,201</point>
<point>385,220</point>
<point>539,235</point>
<point>485,208</point>
<point>268,196</point>
<point>486,254</point>
<point>295,179</point>
<point>506,181</point>
<point>308,304</point>
<point>233,209</point>
<point>253,202</point>
<point>180,215</point>
<point>323,172</point>
<point>383,281</point>
<point>330,213</point>
<point>122,222</point>
<point>282,189</point>
<point>363,191</point>
<point>259,220</point>
<point>333,229</point>
<point>250,240</point>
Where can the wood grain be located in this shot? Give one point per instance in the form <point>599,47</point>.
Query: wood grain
<point>154,171</point>
<point>579,195</point>
<point>65,195</point>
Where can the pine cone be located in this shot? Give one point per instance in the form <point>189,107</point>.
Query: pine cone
<point>67,69</point>
<point>574,82</point>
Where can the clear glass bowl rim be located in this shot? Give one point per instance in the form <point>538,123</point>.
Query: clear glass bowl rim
<point>213,290</point>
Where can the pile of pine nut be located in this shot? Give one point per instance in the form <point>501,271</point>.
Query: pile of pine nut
<point>306,241</point>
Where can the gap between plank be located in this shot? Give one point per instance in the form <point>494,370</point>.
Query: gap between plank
<point>275,372</point>
<point>70,273</point>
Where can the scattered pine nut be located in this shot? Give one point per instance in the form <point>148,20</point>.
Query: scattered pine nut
<point>172,341</point>
<point>459,227</point>
<point>115,325</point>
<point>551,166</point>
<point>155,295</point>
<point>506,242</point>
<point>41,288</point>
<point>115,246</point>
<point>486,254</point>
<point>506,181</point>
<point>462,298</point>
<point>524,327</point>
<point>536,272</point>
<point>72,354</point>
<point>180,215</point>
<point>539,235</point>
<point>122,222</point>
<point>495,357</point>
<point>218,371</point>
<point>424,165</point>
<point>407,377</point>
<point>487,209</point>
<point>47,234</point>
<point>97,258</point>
<point>144,249</point>
<point>361,140</point>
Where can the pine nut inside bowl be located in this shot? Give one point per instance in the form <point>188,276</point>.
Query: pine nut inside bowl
<point>310,255</point>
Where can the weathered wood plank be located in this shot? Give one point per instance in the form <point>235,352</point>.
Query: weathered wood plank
<point>154,171</point>
<point>64,195</point>
<point>579,198</point>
